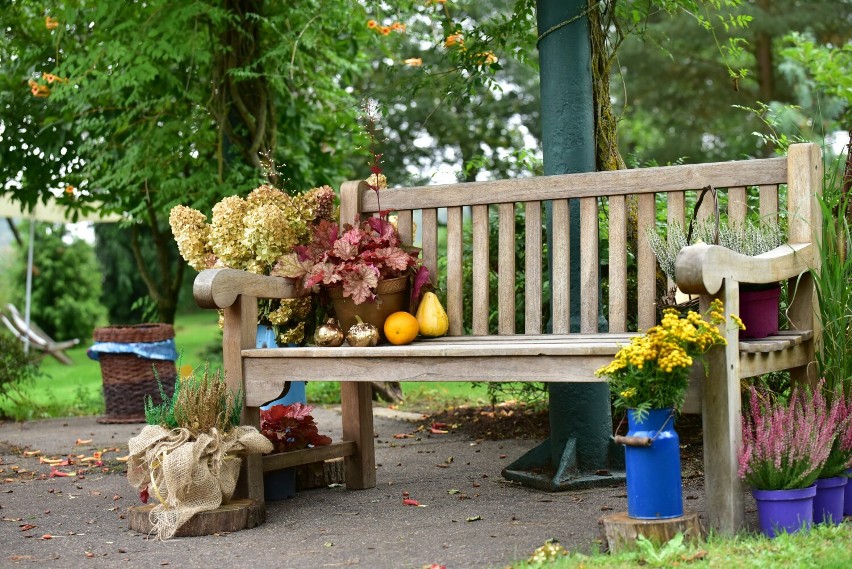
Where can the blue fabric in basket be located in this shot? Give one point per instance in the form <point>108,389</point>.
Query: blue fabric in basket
<point>164,350</point>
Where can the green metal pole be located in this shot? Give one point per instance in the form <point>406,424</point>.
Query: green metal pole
<point>577,452</point>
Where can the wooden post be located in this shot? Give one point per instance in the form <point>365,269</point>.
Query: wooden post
<point>357,411</point>
<point>804,185</point>
<point>722,421</point>
<point>239,333</point>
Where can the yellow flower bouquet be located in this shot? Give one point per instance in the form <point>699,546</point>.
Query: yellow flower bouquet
<point>652,371</point>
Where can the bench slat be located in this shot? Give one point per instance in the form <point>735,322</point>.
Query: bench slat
<point>737,205</point>
<point>560,262</point>
<point>589,277</point>
<point>593,184</point>
<point>307,456</point>
<point>506,268</point>
<point>532,268</point>
<point>675,216</point>
<point>455,288</point>
<point>405,226</point>
<point>617,264</point>
<point>481,307</point>
<point>429,231</point>
<point>768,195</point>
<point>646,275</point>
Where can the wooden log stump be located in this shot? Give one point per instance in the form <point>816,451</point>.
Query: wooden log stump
<point>620,531</point>
<point>234,516</point>
<point>320,474</point>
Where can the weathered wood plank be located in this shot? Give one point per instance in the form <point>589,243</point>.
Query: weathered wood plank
<point>560,290</point>
<point>589,274</point>
<point>356,407</point>
<point>676,217</point>
<point>737,205</point>
<point>455,284</point>
<point>429,236</point>
<point>532,268</point>
<point>768,196</point>
<point>617,264</point>
<point>594,184</point>
<point>646,271</point>
<point>506,269</point>
<point>481,307</point>
<point>405,226</point>
<point>308,455</point>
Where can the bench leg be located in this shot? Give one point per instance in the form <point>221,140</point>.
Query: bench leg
<point>356,400</point>
<point>722,426</point>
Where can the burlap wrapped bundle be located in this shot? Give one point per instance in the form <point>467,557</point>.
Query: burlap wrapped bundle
<point>189,473</point>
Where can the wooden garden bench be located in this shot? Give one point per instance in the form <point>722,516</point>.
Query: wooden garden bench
<point>534,354</point>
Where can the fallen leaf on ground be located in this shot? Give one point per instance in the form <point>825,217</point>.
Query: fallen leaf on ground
<point>82,441</point>
<point>453,491</point>
<point>435,431</point>
<point>29,453</point>
<point>403,436</point>
<point>27,527</point>
<point>474,519</point>
<point>410,502</point>
<point>46,536</point>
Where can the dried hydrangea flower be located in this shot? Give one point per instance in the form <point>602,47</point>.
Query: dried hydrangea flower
<point>226,232</point>
<point>190,229</point>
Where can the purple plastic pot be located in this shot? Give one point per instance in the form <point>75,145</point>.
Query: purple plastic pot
<point>847,500</point>
<point>787,511</point>
<point>829,499</point>
<point>759,311</point>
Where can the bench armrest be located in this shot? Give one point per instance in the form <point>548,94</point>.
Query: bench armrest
<point>219,288</point>
<point>701,268</point>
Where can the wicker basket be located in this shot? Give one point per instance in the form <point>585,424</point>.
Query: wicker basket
<point>128,378</point>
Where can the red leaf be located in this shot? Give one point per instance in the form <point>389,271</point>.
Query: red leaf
<point>410,502</point>
<point>435,431</point>
<point>143,494</point>
<point>421,279</point>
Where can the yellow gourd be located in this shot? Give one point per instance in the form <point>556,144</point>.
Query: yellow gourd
<point>432,317</point>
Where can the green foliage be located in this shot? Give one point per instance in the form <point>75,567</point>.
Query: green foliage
<point>16,368</point>
<point>66,286</point>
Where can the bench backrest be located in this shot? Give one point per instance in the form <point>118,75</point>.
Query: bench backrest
<point>757,184</point>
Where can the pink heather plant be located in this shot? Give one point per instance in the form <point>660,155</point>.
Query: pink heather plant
<point>785,445</point>
<point>840,457</point>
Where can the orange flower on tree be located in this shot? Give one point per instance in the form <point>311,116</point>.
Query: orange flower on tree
<point>50,78</point>
<point>398,27</point>
<point>455,39</point>
<point>39,90</point>
<point>385,30</point>
<point>372,24</point>
<point>413,61</point>
<point>486,58</point>
<point>51,23</point>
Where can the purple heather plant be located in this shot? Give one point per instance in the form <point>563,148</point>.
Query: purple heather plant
<point>785,446</point>
<point>840,407</point>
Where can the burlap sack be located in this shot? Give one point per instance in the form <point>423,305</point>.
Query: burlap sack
<point>187,474</point>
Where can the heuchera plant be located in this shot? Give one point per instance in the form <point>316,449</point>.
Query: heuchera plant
<point>785,445</point>
<point>291,427</point>
<point>356,258</point>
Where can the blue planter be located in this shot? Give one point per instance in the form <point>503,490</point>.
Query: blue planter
<point>654,485</point>
<point>279,484</point>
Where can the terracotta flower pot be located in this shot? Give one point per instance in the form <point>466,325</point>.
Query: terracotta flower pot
<point>392,296</point>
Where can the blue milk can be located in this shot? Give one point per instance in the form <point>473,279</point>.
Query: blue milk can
<point>280,484</point>
<point>654,485</point>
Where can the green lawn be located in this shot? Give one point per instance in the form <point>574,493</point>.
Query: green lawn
<point>827,547</point>
<point>63,390</point>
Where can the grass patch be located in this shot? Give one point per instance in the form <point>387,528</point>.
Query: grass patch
<point>421,397</point>
<point>825,547</point>
<point>62,391</point>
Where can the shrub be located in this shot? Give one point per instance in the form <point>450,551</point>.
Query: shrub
<point>16,368</point>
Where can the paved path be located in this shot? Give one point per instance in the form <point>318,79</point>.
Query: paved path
<point>457,479</point>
